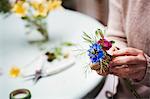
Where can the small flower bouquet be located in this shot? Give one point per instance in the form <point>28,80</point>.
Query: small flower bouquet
<point>4,6</point>
<point>34,12</point>
<point>98,50</point>
<point>98,55</point>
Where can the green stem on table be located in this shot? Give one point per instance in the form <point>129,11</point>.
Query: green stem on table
<point>131,88</point>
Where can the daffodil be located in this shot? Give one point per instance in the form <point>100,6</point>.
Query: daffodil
<point>20,8</point>
<point>40,8</point>
<point>53,4</point>
<point>14,72</point>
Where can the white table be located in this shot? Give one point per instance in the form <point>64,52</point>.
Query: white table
<point>14,50</point>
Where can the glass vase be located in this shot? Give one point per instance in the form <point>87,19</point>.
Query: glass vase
<point>36,30</point>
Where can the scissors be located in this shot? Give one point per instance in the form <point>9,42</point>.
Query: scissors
<point>39,74</point>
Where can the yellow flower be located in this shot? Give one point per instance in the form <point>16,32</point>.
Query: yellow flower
<point>40,8</point>
<point>19,8</point>
<point>53,4</point>
<point>14,72</point>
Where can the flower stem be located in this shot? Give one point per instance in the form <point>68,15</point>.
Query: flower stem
<point>41,27</point>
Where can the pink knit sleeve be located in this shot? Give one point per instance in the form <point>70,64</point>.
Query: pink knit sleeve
<point>116,32</point>
<point>115,24</point>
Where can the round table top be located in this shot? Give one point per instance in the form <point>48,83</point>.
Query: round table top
<point>15,50</point>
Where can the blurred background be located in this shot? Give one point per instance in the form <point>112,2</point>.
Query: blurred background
<point>97,9</point>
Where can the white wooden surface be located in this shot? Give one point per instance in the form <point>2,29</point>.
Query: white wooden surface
<point>14,50</point>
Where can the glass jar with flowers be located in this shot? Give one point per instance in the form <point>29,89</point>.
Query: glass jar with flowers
<point>34,13</point>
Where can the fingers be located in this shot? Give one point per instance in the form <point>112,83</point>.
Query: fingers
<point>129,71</point>
<point>120,71</point>
<point>127,51</point>
<point>125,60</point>
<point>112,49</point>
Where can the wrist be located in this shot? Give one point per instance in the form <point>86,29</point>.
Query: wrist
<point>145,70</point>
<point>140,76</point>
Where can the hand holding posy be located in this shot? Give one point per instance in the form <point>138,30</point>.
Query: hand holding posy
<point>128,63</point>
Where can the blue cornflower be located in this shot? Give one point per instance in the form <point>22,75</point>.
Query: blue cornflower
<point>95,53</point>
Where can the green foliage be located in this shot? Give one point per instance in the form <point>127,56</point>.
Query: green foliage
<point>91,39</point>
<point>68,44</point>
<point>58,52</point>
<point>4,6</point>
<point>100,33</point>
<point>113,42</point>
<point>87,38</point>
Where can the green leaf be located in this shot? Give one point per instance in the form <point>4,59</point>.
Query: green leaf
<point>68,44</point>
<point>5,6</point>
<point>86,35</point>
<point>100,32</point>
<point>24,18</point>
<point>88,40</point>
<point>58,51</point>
<point>112,42</point>
<point>97,35</point>
<point>96,32</point>
<point>82,53</point>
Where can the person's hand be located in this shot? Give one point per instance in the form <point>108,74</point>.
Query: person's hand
<point>96,66</point>
<point>129,63</point>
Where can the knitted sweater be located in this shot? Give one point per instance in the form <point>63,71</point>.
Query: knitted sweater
<point>129,26</point>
